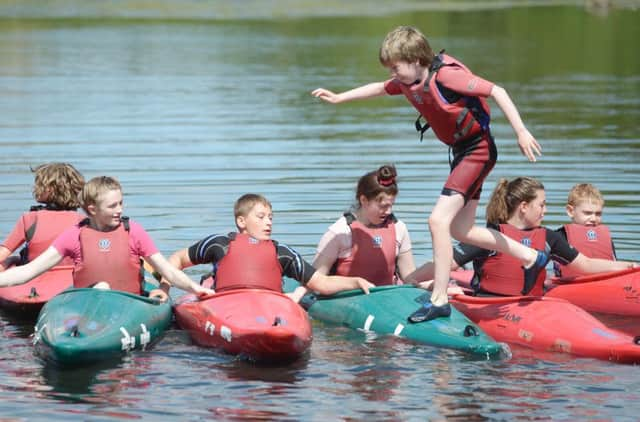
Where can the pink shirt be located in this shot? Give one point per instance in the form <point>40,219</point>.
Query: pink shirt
<point>140,243</point>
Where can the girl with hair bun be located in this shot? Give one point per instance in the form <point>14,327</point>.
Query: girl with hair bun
<point>368,241</point>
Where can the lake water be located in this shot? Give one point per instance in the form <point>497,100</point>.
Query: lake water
<point>189,113</point>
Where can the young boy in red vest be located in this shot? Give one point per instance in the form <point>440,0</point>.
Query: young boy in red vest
<point>251,259</point>
<point>586,232</point>
<point>452,100</point>
<point>105,248</point>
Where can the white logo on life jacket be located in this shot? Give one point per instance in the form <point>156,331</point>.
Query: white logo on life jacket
<point>592,236</point>
<point>104,245</point>
<point>377,241</point>
<point>417,98</point>
<point>526,241</point>
<point>253,241</point>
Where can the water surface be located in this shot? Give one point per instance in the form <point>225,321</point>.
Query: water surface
<point>191,113</point>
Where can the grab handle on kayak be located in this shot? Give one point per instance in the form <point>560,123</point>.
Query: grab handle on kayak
<point>470,331</point>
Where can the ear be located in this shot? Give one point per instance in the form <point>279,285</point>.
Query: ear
<point>523,207</point>
<point>363,201</point>
<point>91,209</point>
<point>570,211</point>
<point>241,222</point>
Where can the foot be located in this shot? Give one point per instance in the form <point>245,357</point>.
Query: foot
<point>429,311</point>
<point>531,273</point>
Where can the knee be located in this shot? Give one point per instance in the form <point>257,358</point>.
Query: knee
<point>438,223</point>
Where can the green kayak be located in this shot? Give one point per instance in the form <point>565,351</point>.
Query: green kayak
<point>83,326</point>
<point>385,311</point>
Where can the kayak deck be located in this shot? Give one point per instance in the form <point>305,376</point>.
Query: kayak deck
<point>27,299</point>
<point>548,324</point>
<point>259,325</point>
<point>385,311</point>
<point>82,326</point>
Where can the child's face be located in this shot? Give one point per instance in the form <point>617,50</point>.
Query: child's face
<point>257,223</point>
<point>107,211</point>
<point>534,210</point>
<point>586,213</point>
<point>378,209</point>
<point>406,73</point>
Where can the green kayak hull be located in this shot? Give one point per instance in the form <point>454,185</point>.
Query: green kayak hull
<point>385,311</point>
<point>84,326</point>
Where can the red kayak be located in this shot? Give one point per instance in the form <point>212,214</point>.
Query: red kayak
<point>261,325</point>
<point>27,299</point>
<point>615,293</point>
<point>548,324</point>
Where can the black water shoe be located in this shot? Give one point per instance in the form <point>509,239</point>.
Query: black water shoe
<point>531,273</point>
<point>429,311</point>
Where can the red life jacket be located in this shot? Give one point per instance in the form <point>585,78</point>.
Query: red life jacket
<point>373,252</point>
<point>106,257</point>
<point>594,242</point>
<point>452,116</point>
<point>249,264</point>
<point>42,226</point>
<point>503,274</point>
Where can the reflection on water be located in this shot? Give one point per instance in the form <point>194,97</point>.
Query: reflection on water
<point>189,114</point>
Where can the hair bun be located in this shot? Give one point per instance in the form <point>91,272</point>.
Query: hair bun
<point>387,175</point>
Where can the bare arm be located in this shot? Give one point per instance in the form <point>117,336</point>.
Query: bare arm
<point>330,284</point>
<point>322,262</point>
<point>406,264</point>
<point>527,143</point>
<point>174,275</point>
<point>24,273</point>
<point>594,265</point>
<point>371,90</point>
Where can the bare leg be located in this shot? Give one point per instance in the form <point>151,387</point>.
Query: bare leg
<point>463,229</point>
<point>440,221</point>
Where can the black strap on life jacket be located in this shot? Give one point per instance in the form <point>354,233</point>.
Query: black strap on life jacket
<point>436,64</point>
<point>350,217</point>
<point>123,219</point>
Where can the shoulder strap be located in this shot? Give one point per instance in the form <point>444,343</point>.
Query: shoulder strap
<point>349,217</point>
<point>436,65</point>
<point>125,223</point>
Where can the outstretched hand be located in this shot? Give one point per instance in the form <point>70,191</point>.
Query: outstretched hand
<point>326,95</point>
<point>203,292</point>
<point>528,145</point>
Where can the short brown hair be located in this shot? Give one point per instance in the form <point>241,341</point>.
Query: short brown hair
<point>96,187</point>
<point>407,44</point>
<point>57,184</point>
<point>246,202</point>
